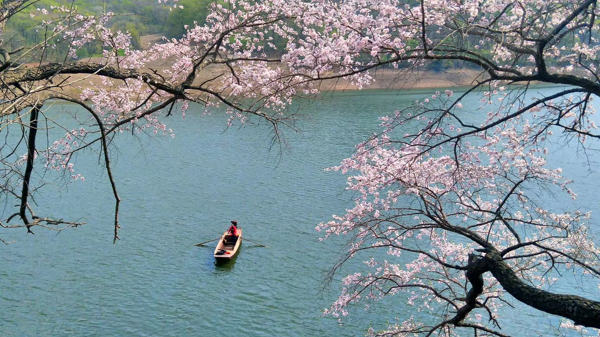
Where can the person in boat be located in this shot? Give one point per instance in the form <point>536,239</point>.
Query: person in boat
<point>233,232</point>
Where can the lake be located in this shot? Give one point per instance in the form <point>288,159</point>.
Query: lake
<point>180,191</point>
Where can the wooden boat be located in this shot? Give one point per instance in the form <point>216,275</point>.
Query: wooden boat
<point>227,248</point>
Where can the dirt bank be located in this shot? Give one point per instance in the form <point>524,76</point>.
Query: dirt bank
<point>411,79</point>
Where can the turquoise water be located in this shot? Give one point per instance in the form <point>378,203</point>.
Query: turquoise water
<point>181,191</point>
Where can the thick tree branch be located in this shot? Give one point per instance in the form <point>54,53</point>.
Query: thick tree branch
<point>47,71</point>
<point>581,311</point>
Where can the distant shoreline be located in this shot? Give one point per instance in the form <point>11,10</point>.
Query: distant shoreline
<point>412,79</point>
<point>384,79</point>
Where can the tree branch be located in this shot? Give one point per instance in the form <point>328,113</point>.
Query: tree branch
<point>580,310</point>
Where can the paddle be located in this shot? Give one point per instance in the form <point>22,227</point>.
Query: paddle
<point>256,243</point>
<point>202,243</point>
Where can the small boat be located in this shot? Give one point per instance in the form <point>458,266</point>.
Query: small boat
<point>228,245</point>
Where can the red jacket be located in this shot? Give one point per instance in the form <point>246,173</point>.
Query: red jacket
<point>233,230</point>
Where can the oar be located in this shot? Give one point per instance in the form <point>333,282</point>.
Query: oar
<point>202,243</point>
<point>256,243</point>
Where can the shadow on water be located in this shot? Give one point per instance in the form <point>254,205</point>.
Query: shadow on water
<point>225,265</point>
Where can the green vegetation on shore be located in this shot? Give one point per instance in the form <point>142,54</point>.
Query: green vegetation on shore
<point>138,17</point>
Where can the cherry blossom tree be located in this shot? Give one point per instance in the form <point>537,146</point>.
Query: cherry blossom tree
<point>460,229</point>
<point>445,215</point>
<point>448,201</point>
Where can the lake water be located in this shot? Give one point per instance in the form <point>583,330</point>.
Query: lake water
<point>181,191</point>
